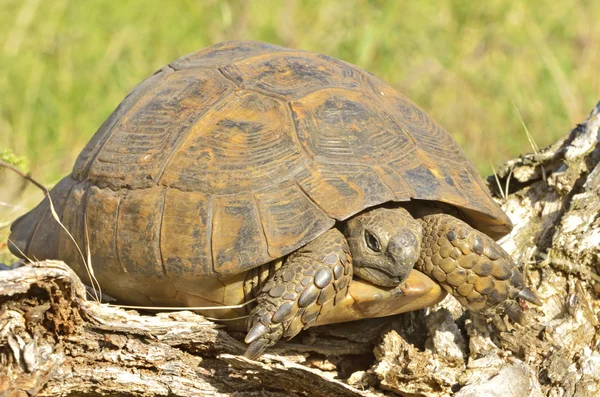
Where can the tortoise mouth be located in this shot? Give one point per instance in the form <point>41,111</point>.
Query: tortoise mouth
<point>379,277</point>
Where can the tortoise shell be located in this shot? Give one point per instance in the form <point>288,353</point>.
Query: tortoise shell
<point>243,152</point>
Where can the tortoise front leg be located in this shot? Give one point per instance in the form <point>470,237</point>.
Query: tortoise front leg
<point>471,266</point>
<point>308,285</point>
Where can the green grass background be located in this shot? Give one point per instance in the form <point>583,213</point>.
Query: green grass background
<point>66,64</point>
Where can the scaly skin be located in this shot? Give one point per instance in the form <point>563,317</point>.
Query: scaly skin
<point>471,266</point>
<point>310,282</point>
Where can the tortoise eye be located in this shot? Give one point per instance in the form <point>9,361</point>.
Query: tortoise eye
<point>372,241</point>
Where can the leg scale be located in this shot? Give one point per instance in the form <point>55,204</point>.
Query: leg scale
<point>472,267</point>
<point>307,285</point>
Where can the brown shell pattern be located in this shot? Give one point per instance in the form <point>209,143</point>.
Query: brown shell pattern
<point>243,152</point>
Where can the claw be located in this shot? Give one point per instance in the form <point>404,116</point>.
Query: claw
<point>514,311</point>
<point>256,332</point>
<point>529,296</point>
<point>256,348</point>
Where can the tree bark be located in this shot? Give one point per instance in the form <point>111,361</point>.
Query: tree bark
<point>54,342</point>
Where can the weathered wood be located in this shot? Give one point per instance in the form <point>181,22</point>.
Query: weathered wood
<point>54,342</point>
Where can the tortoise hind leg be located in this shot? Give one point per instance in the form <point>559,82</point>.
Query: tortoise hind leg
<point>309,284</point>
<point>472,267</point>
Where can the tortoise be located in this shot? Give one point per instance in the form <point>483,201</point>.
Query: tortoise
<point>249,172</point>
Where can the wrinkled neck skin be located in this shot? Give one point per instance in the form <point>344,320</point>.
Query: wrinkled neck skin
<point>384,243</point>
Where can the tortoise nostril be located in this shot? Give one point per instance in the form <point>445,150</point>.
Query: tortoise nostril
<point>396,248</point>
<point>403,247</point>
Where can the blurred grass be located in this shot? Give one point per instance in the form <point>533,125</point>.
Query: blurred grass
<point>66,64</point>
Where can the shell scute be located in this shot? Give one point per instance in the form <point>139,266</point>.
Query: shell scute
<point>343,190</point>
<point>238,241</point>
<point>342,126</point>
<point>291,75</point>
<point>185,240</point>
<point>288,215</point>
<point>143,140</point>
<point>244,144</point>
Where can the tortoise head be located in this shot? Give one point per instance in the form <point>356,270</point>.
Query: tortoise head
<point>385,243</point>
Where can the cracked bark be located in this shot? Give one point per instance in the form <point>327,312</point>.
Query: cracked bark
<point>53,342</point>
